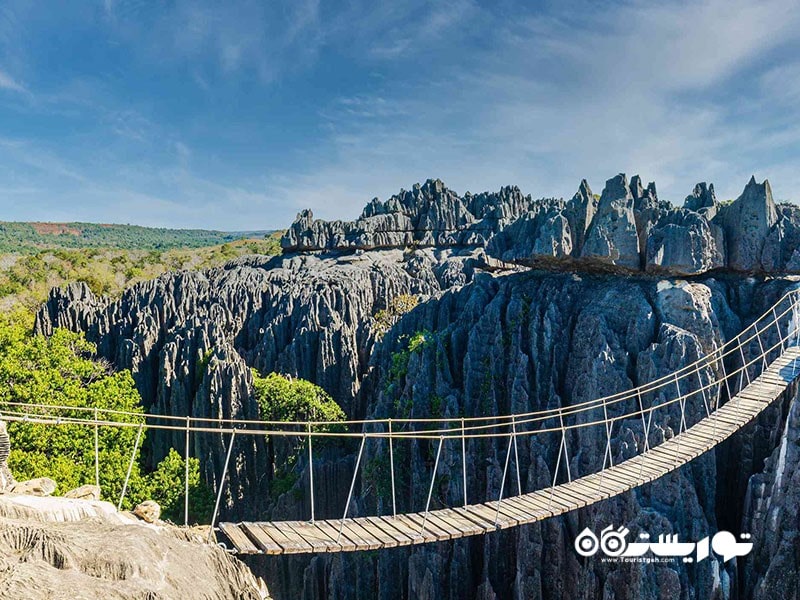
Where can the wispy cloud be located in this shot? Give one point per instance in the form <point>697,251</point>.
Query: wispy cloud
<point>579,92</point>
<point>421,26</point>
<point>9,83</point>
<point>258,38</point>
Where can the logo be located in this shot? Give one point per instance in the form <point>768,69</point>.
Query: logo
<point>614,545</point>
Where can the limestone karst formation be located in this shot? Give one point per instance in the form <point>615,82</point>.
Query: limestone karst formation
<point>531,304</point>
<point>627,227</point>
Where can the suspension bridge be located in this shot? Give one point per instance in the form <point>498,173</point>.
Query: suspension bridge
<point>674,419</point>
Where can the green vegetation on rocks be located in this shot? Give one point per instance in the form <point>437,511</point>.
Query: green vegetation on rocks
<point>416,343</point>
<point>384,319</point>
<point>282,398</point>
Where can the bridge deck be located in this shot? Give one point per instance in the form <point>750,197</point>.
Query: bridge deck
<point>372,533</point>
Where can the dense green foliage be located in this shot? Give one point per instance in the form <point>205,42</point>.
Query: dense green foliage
<point>166,486</point>
<point>281,398</point>
<point>60,371</point>
<point>30,237</point>
<point>400,358</point>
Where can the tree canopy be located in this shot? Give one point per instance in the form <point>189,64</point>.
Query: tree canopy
<point>281,398</point>
<point>62,370</point>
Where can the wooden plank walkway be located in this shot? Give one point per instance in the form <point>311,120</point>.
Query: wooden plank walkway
<point>373,533</point>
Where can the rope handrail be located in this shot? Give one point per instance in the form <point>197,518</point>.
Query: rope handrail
<point>494,421</point>
<point>429,434</point>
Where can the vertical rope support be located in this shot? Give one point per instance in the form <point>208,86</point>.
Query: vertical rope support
<point>352,486</point>
<point>741,384</point>
<point>311,472</point>
<point>430,489</point>
<point>503,480</point>
<point>761,349</point>
<point>130,466</point>
<point>607,453</point>
<point>725,377</point>
<point>516,452</point>
<point>719,396</point>
<point>702,390</point>
<point>778,327</point>
<point>564,441</point>
<point>744,366</point>
<point>682,424</point>
<point>682,402</point>
<point>96,450</point>
<point>186,476</point>
<point>221,485</point>
<point>644,427</point>
<point>647,438</point>
<point>464,460</point>
<point>391,469</point>
<point>558,460</point>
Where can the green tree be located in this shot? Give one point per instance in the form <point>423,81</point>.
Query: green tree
<point>61,371</point>
<point>281,398</point>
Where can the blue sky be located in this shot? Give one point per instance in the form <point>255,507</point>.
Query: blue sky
<point>236,115</point>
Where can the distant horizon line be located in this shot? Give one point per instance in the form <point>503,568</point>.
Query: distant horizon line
<point>161,227</point>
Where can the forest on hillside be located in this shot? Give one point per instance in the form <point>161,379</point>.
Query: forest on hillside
<point>33,237</point>
<point>27,277</point>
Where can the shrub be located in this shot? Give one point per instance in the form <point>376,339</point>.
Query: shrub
<point>383,320</point>
<point>283,399</point>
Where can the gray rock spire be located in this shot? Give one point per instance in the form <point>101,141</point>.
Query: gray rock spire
<point>747,222</point>
<point>612,236</point>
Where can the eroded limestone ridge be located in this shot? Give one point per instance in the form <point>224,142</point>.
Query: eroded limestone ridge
<point>626,228</point>
<point>67,548</point>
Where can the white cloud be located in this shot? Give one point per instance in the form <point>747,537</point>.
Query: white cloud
<point>9,83</point>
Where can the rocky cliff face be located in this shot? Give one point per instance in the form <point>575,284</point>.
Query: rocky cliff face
<point>428,215</point>
<point>527,342</point>
<point>771,514</point>
<point>498,339</point>
<point>628,228</point>
<point>190,338</point>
